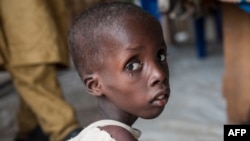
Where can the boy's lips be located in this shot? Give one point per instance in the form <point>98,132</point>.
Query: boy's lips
<point>160,99</point>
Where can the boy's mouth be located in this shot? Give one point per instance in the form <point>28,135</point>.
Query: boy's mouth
<point>160,99</point>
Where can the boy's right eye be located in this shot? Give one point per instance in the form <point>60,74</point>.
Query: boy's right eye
<point>133,66</point>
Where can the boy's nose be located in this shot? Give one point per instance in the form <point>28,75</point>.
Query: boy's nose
<point>157,75</point>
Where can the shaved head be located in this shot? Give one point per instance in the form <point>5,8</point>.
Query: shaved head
<point>87,38</point>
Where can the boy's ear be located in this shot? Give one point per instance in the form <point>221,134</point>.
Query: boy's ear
<point>93,85</point>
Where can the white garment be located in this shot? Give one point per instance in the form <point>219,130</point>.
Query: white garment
<point>163,5</point>
<point>93,133</point>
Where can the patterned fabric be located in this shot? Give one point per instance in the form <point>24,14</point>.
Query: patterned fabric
<point>33,32</point>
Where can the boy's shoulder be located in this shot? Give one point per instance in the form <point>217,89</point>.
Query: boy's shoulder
<point>108,130</point>
<point>118,133</point>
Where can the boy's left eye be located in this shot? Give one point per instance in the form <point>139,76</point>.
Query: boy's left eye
<point>161,57</point>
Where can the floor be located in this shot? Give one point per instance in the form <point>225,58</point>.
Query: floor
<point>195,112</point>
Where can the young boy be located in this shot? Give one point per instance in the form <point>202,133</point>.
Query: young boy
<point>120,54</point>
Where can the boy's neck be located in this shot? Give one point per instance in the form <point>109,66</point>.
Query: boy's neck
<point>109,111</point>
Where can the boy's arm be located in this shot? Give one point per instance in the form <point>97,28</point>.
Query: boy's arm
<point>118,133</point>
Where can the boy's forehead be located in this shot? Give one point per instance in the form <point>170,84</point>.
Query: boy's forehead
<point>132,26</point>
<point>130,31</point>
<point>135,23</point>
<point>127,27</point>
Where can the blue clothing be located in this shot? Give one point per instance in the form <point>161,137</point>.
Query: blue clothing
<point>244,5</point>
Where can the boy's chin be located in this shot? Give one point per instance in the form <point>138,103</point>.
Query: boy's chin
<point>152,115</point>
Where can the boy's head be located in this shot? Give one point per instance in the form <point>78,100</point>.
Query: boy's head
<point>120,54</point>
<point>89,36</point>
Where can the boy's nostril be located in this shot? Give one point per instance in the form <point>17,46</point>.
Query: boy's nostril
<point>158,76</point>
<point>153,83</point>
<point>158,80</point>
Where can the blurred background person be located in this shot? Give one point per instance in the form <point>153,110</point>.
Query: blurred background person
<point>236,78</point>
<point>232,18</point>
<point>32,48</point>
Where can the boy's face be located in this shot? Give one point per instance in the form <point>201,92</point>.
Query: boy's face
<point>135,75</point>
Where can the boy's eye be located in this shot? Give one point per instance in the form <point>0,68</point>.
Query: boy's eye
<point>133,66</point>
<point>161,57</point>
